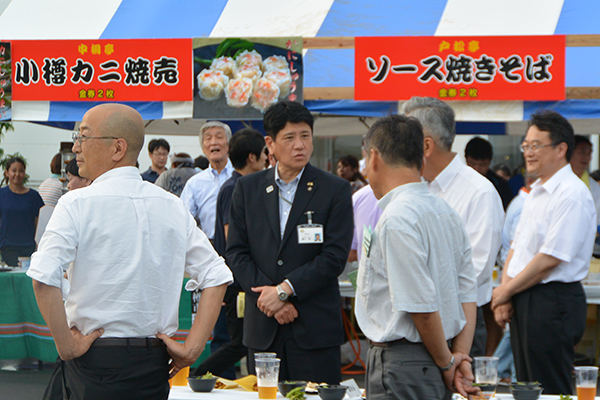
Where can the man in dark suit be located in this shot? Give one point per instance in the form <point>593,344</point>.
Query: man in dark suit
<point>290,231</point>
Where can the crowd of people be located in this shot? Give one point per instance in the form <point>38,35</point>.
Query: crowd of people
<point>276,233</point>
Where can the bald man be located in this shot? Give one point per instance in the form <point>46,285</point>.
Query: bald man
<point>113,332</point>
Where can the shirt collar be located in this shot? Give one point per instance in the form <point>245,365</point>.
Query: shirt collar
<point>445,177</point>
<point>555,180</point>
<point>282,182</point>
<point>119,173</point>
<point>228,167</point>
<point>415,187</point>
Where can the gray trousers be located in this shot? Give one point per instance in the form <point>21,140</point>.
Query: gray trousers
<point>404,371</point>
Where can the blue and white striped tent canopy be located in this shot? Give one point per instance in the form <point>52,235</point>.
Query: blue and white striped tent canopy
<point>115,19</point>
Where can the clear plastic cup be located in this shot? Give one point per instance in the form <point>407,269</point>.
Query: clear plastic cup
<point>258,356</point>
<point>585,381</point>
<point>267,375</point>
<point>486,375</point>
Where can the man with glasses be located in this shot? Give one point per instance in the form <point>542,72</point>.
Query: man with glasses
<point>541,293</point>
<point>113,332</point>
<point>158,150</point>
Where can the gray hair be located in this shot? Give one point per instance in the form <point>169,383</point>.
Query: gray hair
<point>213,124</point>
<point>436,117</point>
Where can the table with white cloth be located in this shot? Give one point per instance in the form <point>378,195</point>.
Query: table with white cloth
<point>185,393</point>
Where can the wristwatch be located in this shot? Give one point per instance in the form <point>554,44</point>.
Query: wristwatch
<point>283,296</point>
<point>447,367</point>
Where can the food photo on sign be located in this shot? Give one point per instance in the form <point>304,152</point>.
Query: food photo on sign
<point>237,78</point>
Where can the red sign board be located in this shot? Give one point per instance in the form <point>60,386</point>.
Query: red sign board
<point>460,68</point>
<point>102,70</point>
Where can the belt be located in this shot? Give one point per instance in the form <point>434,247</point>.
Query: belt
<point>400,342</point>
<point>128,342</point>
<point>391,343</point>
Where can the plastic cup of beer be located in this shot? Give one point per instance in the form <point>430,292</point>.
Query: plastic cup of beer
<point>486,375</point>
<point>181,378</point>
<point>258,356</point>
<point>585,381</point>
<point>267,376</point>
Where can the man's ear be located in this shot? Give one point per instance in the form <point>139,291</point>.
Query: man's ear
<point>374,159</point>
<point>562,149</point>
<point>251,158</point>
<point>119,149</point>
<point>269,142</point>
<point>428,146</point>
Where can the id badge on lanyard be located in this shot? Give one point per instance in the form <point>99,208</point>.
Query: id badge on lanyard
<point>310,233</point>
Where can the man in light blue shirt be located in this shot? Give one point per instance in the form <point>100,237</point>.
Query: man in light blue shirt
<point>201,191</point>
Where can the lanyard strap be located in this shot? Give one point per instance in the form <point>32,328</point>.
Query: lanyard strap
<point>283,198</point>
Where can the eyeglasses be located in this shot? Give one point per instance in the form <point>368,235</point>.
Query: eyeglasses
<point>160,153</point>
<point>78,137</point>
<point>532,147</point>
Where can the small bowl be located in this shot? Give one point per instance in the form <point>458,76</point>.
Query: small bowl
<point>524,385</point>
<point>332,392</point>
<point>197,384</point>
<point>285,387</point>
<point>526,393</point>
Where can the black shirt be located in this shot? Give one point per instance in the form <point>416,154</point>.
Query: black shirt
<point>223,206</point>
<point>502,187</point>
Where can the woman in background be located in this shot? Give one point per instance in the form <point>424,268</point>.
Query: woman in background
<point>19,210</point>
<point>51,188</point>
<point>347,168</point>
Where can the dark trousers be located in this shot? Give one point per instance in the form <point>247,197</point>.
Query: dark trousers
<point>11,254</point>
<point>318,365</point>
<point>229,353</point>
<point>480,337</point>
<point>115,373</point>
<point>548,321</point>
<point>403,371</point>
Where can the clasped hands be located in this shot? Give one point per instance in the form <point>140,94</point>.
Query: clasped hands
<point>502,305</point>
<point>270,304</point>
<point>460,378</point>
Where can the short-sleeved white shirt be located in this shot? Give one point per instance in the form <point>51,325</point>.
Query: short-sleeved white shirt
<point>479,206</point>
<point>200,196</point>
<point>419,261</point>
<point>558,219</point>
<point>130,243</point>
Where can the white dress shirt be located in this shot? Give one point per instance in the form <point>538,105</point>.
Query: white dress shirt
<point>479,206</point>
<point>130,243</point>
<point>558,219</point>
<point>419,261</point>
<point>200,196</point>
<point>513,215</point>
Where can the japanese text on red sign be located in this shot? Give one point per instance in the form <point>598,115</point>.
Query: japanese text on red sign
<point>457,68</point>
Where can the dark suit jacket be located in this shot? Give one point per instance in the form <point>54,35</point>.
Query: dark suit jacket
<point>258,256</point>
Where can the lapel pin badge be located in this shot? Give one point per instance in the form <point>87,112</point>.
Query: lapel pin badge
<point>269,189</point>
<point>310,186</point>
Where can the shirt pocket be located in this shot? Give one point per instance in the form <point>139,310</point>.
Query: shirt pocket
<point>365,274</point>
